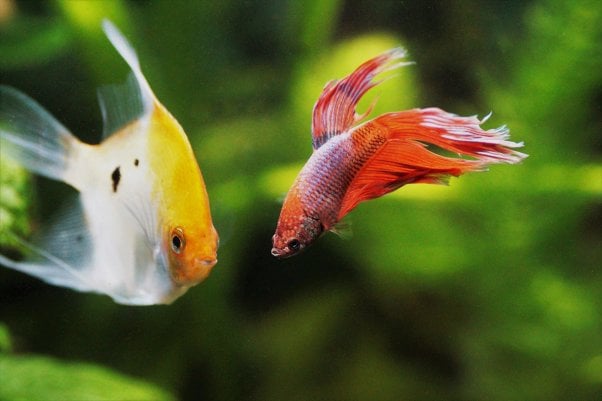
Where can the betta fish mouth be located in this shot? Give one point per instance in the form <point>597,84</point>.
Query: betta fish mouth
<point>278,253</point>
<point>285,253</point>
<point>281,253</point>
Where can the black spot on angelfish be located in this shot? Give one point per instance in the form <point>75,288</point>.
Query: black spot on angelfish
<point>136,162</point>
<point>115,177</point>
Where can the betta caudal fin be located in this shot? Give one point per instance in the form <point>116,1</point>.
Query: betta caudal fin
<point>461,135</point>
<point>404,158</point>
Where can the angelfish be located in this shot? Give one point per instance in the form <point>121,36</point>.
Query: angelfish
<point>353,162</point>
<point>140,229</point>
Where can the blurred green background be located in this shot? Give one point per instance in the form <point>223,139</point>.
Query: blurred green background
<point>490,288</point>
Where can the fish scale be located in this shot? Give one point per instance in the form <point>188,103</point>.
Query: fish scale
<point>324,181</point>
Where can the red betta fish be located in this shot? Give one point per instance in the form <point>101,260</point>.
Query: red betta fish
<point>353,163</point>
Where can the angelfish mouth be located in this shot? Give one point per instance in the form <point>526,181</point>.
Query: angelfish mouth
<point>206,263</point>
<point>201,271</point>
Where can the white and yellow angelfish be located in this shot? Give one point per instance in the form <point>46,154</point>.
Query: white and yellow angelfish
<point>141,229</point>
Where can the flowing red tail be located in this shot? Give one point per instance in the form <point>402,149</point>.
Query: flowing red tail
<point>403,156</point>
<point>462,135</point>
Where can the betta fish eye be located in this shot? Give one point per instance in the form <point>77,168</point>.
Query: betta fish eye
<point>294,244</point>
<point>178,241</point>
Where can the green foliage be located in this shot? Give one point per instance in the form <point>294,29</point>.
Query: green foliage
<point>43,378</point>
<point>5,341</point>
<point>15,198</point>
<point>30,377</point>
<point>555,74</point>
<point>30,41</point>
<point>489,288</point>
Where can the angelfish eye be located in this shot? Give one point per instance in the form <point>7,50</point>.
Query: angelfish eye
<point>294,244</point>
<point>177,240</point>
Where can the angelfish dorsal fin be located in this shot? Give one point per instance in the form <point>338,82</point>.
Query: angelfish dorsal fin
<point>120,104</point>
<point>126,51</point>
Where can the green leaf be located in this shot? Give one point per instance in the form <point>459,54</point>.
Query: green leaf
<point>15,195</point>
<point>43,378</point>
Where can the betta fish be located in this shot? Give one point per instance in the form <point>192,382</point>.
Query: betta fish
<point>353,162</point>
<point>140,228</point>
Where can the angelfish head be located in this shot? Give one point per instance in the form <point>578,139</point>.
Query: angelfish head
<point>295,233</point>
<point>191,254</point>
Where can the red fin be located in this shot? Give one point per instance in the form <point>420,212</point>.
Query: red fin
<point>403,158</point>
<point>334,112</point>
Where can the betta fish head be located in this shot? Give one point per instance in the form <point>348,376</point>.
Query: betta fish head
<point>295,233</point>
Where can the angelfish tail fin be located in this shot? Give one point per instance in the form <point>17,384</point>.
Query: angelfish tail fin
<point>34,138</point>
